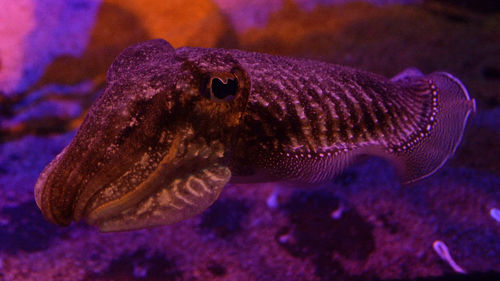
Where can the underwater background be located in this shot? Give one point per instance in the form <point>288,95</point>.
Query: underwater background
<point>361,226</point>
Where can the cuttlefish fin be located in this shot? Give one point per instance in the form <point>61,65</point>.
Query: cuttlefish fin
<point>410,72</point>
<point>452,107</point>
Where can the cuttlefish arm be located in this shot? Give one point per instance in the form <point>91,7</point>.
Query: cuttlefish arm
<point>174,126</point>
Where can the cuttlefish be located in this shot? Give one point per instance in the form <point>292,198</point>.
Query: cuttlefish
<point>172,127</point>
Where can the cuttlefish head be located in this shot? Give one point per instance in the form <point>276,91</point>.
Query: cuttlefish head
<point>154,147</point>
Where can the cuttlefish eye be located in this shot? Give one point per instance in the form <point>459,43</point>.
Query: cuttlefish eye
<point>223,88</point>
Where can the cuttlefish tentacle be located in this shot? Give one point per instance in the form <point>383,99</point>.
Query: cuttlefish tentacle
<point>174,126</point>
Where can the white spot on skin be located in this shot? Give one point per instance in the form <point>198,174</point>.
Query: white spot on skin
<point>163,136</point>
<point>300,111</point>
<point>145,207</point>
<point>108,192</point>
<point>144,160</point>
<point>165,199</point>
<point>111,148</point>
<point>442,250</point>
<point>149,93</point>
<point>133,122</point>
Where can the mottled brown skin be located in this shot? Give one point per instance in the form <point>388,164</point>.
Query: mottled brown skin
<point>172,127</point>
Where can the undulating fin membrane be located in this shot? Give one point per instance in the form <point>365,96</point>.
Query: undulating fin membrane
<point>445,134</point>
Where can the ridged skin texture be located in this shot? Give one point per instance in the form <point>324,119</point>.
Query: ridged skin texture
<point>315,111</point>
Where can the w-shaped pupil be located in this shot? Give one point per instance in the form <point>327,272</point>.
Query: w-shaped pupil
<point>222,90</point>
